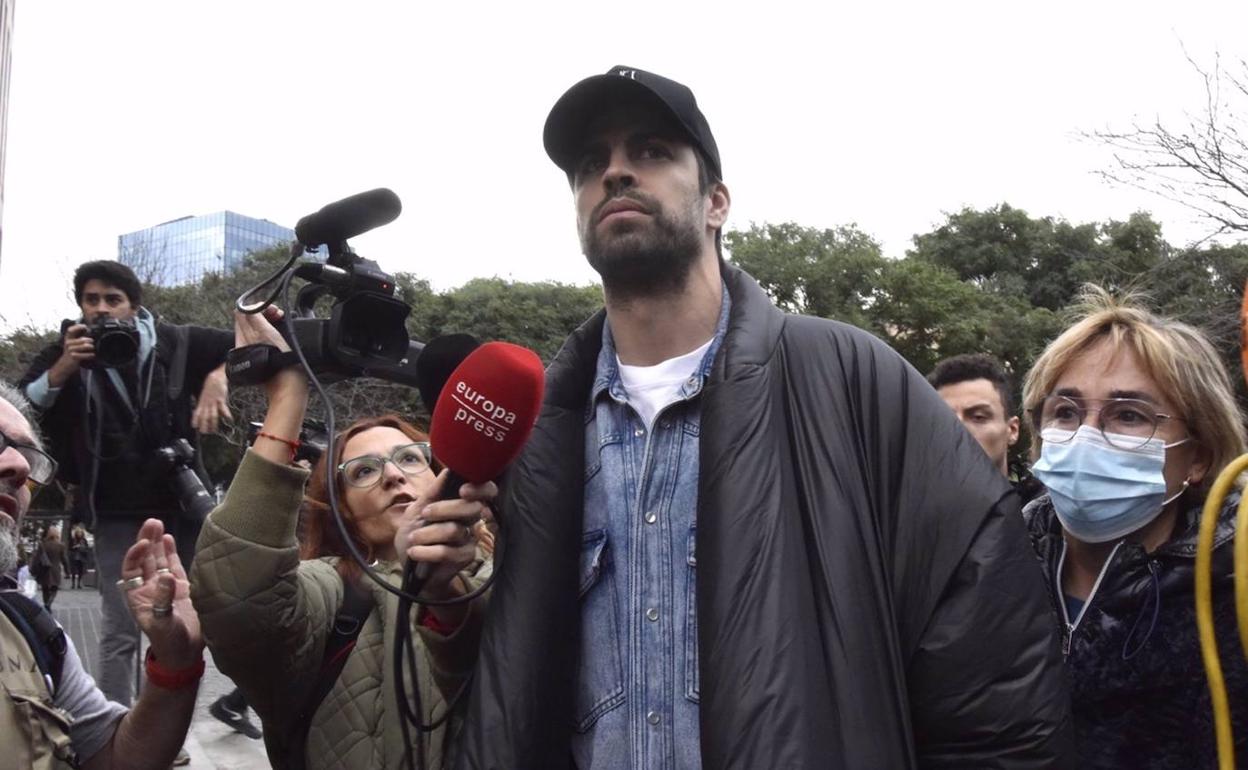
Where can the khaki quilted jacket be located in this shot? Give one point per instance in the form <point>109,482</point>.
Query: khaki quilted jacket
<point>266,616</point>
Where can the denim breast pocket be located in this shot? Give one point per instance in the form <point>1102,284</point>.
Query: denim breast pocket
<point>692,684</point>
<point>600,679</point>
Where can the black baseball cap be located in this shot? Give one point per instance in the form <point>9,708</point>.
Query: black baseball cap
<point>568,119</point>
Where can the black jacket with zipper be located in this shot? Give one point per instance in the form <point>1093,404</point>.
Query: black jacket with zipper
<point>1139,691</point>
<point>865,597</point>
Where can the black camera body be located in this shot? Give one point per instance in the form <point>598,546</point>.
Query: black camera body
<point>178,458</point>
<point>116,342</point>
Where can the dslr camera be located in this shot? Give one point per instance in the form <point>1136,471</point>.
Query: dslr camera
<point>116,342</point>
<point>178,460</point>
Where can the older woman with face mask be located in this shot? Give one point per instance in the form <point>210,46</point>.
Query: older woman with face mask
<point>1132,417</point>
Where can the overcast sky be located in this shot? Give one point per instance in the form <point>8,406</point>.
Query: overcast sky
<point>127,114</point>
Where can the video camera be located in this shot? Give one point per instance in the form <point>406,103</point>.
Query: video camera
<point>365,334</point>
<point>116,342</point>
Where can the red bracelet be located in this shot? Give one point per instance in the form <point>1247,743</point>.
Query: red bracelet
<point>431,622</point>
<point>292,443</point>
<point>172,679</point>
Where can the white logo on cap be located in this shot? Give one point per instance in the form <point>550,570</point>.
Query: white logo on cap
<point>630,74</point>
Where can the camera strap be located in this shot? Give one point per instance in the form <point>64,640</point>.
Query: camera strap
<point>144,384</point>
<point>177,367</point>
<point>255,364</point>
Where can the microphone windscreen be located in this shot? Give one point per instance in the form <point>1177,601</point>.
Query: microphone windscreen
<point>347,218</point>
<point>440,357</point>
<point>487,410</point>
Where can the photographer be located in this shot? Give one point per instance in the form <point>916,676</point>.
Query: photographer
<point>273,608</point>
<point>116,396</point>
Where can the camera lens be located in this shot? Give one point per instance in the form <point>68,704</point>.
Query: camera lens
<point>116,344</point>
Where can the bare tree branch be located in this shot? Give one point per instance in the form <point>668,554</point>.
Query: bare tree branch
<point>1203,164</point>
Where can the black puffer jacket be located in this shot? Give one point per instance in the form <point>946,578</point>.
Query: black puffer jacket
<point>865,596</point>
<point>1139,694</point>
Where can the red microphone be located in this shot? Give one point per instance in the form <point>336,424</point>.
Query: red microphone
<point>483,417</point>
<point>486,411</point>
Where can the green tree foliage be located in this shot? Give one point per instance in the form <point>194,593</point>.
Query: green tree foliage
<point>1004,251</point>
<point>994,281</point>
<point>827,273</point>
<point>19,349</point>
<point>537,315</point>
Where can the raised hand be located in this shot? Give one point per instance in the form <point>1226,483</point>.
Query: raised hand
<point>159,596</point>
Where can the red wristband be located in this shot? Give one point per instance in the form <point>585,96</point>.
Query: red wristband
<point>431,622</point>
<point>172,679</point>
<point>292,443</point>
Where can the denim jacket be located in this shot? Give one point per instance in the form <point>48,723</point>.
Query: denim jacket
<point>637,688</point>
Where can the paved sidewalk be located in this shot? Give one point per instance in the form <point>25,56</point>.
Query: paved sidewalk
<point>211,744</point>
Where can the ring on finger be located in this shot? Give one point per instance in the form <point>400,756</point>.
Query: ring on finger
<point>164,571</point>
<point>130,584</point>
<point>162,610</point>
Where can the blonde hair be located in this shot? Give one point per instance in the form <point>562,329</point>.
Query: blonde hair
<point>1179,357</point>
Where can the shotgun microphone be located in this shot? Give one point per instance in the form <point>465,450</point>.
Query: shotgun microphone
<point>336,222</point>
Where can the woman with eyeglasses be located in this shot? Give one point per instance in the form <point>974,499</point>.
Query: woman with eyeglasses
<point>1132,418</point>
<point>293,620</point>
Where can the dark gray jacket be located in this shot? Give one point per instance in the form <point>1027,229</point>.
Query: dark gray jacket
<point>866,595</point>
<point>1139,693</point>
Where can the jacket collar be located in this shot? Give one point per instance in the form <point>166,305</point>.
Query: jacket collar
<point>754,327</point>
<point>750,340</point>
<point>1046,531</point>
<point>607,374</point>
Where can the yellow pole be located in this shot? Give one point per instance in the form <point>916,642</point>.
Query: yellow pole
<point>1204,602</point>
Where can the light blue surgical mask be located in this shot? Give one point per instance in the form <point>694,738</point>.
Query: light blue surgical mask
<point>1100,492</point>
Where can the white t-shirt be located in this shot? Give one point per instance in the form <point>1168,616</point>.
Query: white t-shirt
<point>95,717</point>
<point>650,388</point>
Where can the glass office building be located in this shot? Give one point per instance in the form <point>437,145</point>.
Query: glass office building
<point>6,54</point>
<point>184,250</point>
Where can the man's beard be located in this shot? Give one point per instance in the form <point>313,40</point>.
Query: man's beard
<point>644,259</point>
<point>8,546</point>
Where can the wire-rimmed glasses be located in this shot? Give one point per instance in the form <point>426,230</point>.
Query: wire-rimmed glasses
<point>364,472</point>
<point>1126,423</point>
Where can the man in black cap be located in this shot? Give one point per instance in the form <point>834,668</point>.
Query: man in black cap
<point>741,538</point>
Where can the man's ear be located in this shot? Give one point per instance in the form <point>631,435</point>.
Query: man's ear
<point>1012,424</point>
<point>718,204</point>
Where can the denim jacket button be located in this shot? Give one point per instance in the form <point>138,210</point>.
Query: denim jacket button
<point>639,432</point>
<point>653,717</point>
<point>652,614</point>
<point>651,517</point>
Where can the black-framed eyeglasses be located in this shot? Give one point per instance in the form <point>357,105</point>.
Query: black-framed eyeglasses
<point>1126,423</point>
<point>364,472</point>
<point>42,466</point>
